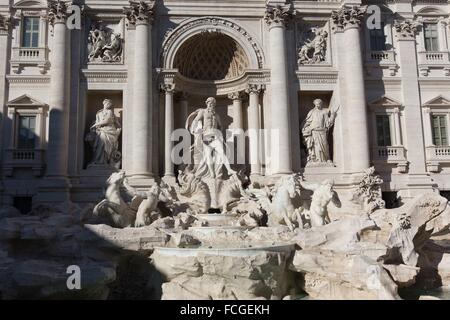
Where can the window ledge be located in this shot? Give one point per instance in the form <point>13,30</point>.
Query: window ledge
<point>437,155</point>
<point>391,154</point>
<point>24,158</point>
<point>29,57</point>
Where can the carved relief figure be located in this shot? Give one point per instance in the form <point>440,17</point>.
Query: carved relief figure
<point>314,51</point>
<point>208,148</point>
<point>315,132</point>
<point>105,46</point>
<point>104,136</point>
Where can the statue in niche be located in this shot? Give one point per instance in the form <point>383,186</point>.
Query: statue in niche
<point>104,137</point>
<point>208,149</point>
<point>105,45</point>
<point>314,51</point>
<point>315,132</point>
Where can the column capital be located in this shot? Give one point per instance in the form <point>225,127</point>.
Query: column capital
<point>426,109</point>
<point>57,11</point>
<point>348,17</point>
<point>254,88</point>
<point>278,15</point>
<point>406,29</point>
<point>238,95</point>
<point>139,12</point>
<point>167,87</point>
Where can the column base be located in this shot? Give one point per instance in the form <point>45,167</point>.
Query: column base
<point>142,182</point>
<point>53,190</point>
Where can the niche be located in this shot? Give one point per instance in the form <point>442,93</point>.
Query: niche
<point>305,104</point>
<point>94,104</point>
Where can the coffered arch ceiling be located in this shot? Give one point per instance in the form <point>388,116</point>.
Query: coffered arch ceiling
<point>211,56</point>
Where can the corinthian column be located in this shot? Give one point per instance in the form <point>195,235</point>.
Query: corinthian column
<point>277,18</point>
<point>348,20</point>
<point>238,120</point>
<point>253,91</point>
<point>55,186</point>
<point>169,126</point>
<point>140,16</point>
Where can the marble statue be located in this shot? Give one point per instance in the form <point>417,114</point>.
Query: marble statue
<point>148,211</point>
<point>105,46</point>
<point>368,192</point>
<point>114,208</point>
<point>208,149</point>
<point>315,133</point>
<point>323,194</point>
<point>104,137</point>
<point>314,51</point>
<point>278,202</point>
<point>194,191</point>
<point>140,211</point>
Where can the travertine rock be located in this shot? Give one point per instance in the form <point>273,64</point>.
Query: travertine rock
<point>331,275</point>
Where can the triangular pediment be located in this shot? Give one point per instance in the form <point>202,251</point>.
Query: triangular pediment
<point>385,101</point>
<point>25,100</point>
<point>438,101</point>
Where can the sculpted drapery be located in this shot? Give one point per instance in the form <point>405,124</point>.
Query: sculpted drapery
<point>315,132</point>
<point>104,136</point>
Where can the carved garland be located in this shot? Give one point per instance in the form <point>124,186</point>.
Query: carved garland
<point>171,36</point>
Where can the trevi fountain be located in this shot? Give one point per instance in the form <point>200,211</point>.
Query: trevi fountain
<point>214,234</point>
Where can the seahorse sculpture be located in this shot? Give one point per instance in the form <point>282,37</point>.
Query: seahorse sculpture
<point>195,191</point>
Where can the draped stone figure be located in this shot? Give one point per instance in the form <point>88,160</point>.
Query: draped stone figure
<point>104,136</point>
<point>315,132</point>
<point>208,149</point>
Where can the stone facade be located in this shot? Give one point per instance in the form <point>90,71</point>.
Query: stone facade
<point>157,62</point>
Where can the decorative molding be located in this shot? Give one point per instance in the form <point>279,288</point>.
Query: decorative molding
<point>139,12</point>
<point>317,78</point>
<point>278,15</point>
<point>209,23</point>
<point>348,17</point>
<point>28,79</point>
<point>406,29</point>
<point>57,11</point>
<point>104,76</point>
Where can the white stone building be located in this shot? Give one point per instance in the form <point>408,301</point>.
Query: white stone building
<point>390,87</point>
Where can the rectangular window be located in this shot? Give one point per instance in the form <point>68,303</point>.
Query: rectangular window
<point>27,132</point>
<point>431,37</point>
<point>30,35</point>
<point>383,131</point>
<point>440,130</point>
<point>377,39</point>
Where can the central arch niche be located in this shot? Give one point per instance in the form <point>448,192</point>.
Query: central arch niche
<point>211,56</point>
